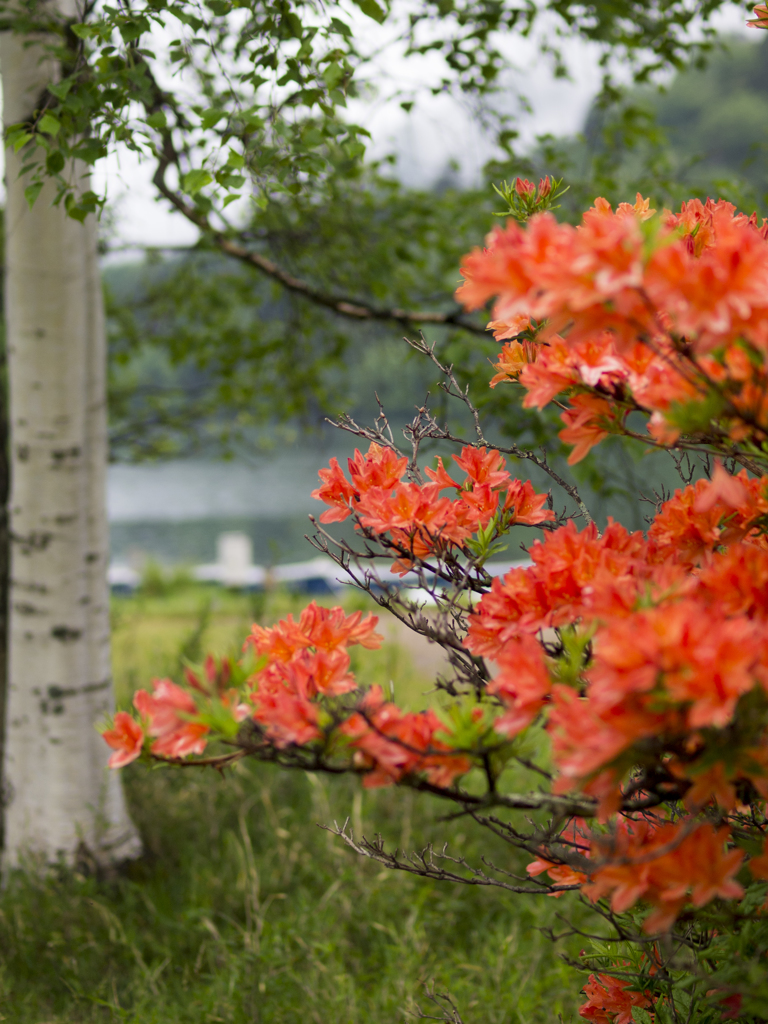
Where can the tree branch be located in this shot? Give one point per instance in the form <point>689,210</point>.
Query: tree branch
<point>352,308</point>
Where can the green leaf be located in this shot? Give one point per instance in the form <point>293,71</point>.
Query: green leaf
<point>90,150</point>
<point>333,74</point>
<point>313,137</point>
<point>83,31</point>
<point>77,213</point>
<point>340,27</point>
<point>54,162</point>
<point>91,200</point>
<point>641,1016</point>
<point>372,9</point>
<point>354,149</point>
<point>235,160</point>
<point>18,139</point>
<point>157,120</point>
<point>131,30</point>
<point>60,89</point>
<point>193,181</point>
<point>31,192</point>
<point>48,124</point>
<point>209,118</point>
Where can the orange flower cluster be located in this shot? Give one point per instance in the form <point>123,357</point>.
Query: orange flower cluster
<point>677,623</point>
<point>167,714</point>
<point>649,316</point>
<point>610,1000</point>
<point>302,666</point>
<point>667,866</point>
<point>305,659</point>
<point>414,517</point>
<point>172,715</point>
<point>393,744</point>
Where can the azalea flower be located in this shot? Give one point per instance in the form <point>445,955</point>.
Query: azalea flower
<point>126,737</point>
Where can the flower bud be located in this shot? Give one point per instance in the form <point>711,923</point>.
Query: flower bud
<point>545,187</point>
<point>761,17</point>
<point>524,188</point>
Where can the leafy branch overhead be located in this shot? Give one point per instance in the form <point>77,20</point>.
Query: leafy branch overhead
<point>246,104</point>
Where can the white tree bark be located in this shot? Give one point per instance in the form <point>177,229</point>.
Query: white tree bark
<point>60,798</point>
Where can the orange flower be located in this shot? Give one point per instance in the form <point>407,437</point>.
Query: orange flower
<point>306,659</point>
<point>325,628</point>
<point>380,467</point>
<point>503,329</point>
<point>706,294</point>
<point>488,272</point>
<point>514,356</point>
<point>483,466</point>
<point>561,874</point>
<point>559,587</point>
<point>285,709</point>
<point>550,373</point>
<point>585,424</point>
<point>329,628</point>
<point>699,518</point>
<point>335,491</point>
<point>522,685</point>
<point>126,737</point>
<point>722,489</point>
<point>527,505</point>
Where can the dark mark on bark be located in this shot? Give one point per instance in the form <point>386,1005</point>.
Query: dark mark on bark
<point>25,609</point>
<point>53,704</point>
<point>59,455</point>
<point>35,541</point>
<point>58,692</point>
<point>32,588</point>
<point>65,634</point>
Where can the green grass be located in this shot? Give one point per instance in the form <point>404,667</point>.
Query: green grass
<point>244,910</point>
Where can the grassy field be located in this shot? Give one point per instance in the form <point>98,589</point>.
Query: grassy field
<point>244,910</point>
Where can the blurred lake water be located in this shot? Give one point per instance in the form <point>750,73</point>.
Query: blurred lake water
<point>173,511</point>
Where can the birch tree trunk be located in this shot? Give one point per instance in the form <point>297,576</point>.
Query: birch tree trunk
<point>60,799</point>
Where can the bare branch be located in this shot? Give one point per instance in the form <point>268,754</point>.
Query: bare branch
<point>454,389</point>
<point>449,1012</point>
<point>428,862</point>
